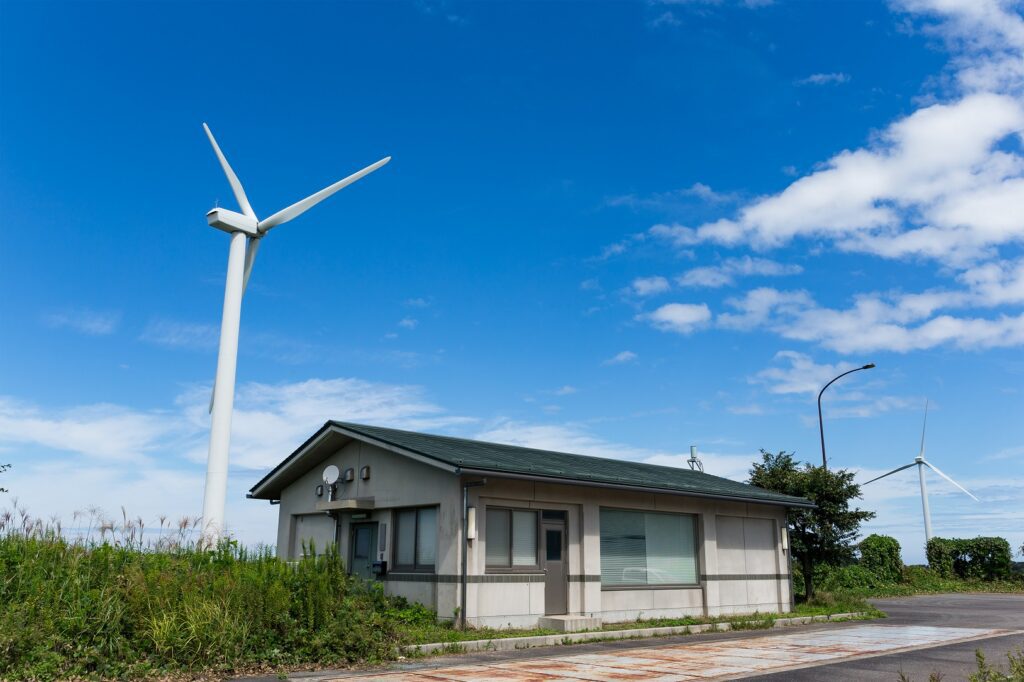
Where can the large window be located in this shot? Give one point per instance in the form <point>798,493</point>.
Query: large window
<point>416,539</point>
<point>511,539</point>
<point>646,548</point>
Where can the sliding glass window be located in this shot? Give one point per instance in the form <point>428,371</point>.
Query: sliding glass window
<point>647,549</point>
<point>511,539</point>
<point>416,539</point>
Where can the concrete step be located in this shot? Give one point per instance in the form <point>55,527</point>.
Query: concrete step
<point>568,623</point>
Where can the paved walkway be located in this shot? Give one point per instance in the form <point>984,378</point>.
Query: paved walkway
<point>725,659</point>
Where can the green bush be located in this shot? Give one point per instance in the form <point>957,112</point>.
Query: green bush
<point>981,558</point>
<point>853,578</point>
<point>103,611</point>
<point>880,554</point>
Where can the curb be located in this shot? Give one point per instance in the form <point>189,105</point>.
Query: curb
<point>513,643</point>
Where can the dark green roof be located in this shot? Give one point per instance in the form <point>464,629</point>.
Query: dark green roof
<point>482,457</point>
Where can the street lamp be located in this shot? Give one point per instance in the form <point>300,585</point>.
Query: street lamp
<point>821,424</point>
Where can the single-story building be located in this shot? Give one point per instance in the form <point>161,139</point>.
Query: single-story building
<point>504,536</point>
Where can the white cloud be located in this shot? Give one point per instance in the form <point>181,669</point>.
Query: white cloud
<point>573,438</point>
<point>566,390</point>
<point>649,286</point>
<point>713,276</point>
<point>835,78</point>
<point>102,431</point>
<point>937,185</point>
<point>83,320</point>
<point>673,198</point>
<point>797,374</point>
<point>986,38</point>
<point>893,322</point>
<point>408,323</point>
<point>176,334</point>
<point>153,461</point>
<point>665,19</point>
<point>621,358</point>
<point>801,375</point>
<point>682,318</point>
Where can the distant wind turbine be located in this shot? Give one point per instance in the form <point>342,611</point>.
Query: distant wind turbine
<point>920,462</point>
<point>246,232</point>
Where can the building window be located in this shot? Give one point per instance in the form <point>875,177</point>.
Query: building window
<point>647,549</point>
<point>416,539</point>
<point>511,539</point>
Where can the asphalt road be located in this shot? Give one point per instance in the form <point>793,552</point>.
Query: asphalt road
<point>953,662</point>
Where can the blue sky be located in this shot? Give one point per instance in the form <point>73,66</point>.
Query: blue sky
<point>615,228</point>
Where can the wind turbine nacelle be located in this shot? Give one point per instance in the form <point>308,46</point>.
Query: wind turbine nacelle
<point>230,221</point>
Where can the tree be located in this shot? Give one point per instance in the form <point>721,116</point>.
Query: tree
<point>825,533</point>
<point>3,468</point>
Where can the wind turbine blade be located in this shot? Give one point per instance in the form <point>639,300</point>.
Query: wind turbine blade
<point>936,470</point>
<point>250,257</point>
<point>309,202</point>
<point>924,427</point>
<point>236,185</point>
<point>894,471</point>
<point>213,394</point>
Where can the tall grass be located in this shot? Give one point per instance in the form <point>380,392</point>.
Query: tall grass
<point>109,604</point>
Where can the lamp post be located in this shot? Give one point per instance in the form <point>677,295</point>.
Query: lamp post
<point>821,424</point>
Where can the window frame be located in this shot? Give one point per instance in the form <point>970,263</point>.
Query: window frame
<point>697,545</point>
<point>498,569</point>
<point>415,567</point>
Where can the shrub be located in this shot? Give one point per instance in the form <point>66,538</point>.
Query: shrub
<point>853,578</point>
<point>981,558</point>
<point>880,554</point>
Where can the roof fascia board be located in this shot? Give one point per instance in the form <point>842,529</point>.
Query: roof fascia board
<point>267,482</point>
<point>425,459</point>
<point>637,488</point>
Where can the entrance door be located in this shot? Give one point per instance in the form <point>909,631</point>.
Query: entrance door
<point>362,549</point>
<point>556,587</point>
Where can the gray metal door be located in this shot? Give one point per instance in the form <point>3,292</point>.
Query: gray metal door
<point>556,588</point>
<point>362,549</point>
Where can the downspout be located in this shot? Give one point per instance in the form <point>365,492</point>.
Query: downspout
<point>465,548</point>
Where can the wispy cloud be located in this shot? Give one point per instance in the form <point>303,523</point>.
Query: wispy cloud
<point>725,273</point>
<point>672,199</point>
<point>83,320</point>
<point>408,323</point>
<point>621,358</point>
<point>176,334</point>
<point>835,78</point>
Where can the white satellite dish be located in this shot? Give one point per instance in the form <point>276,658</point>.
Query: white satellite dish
<point>331,475</point>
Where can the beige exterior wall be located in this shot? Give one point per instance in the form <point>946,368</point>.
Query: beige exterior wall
<point>741,563</point>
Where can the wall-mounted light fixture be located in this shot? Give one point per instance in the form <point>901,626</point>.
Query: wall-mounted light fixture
<point>320,490</point>
<point>349,475</point>
<point>364,473</point>
<point>471,523</point>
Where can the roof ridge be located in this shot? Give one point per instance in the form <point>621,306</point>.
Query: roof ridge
<point>696,474</point>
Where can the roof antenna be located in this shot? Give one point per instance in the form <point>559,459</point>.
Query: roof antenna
<point>694,461</point>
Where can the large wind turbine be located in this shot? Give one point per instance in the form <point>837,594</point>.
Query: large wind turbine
<point>920,462</point>
<point>246,232</point>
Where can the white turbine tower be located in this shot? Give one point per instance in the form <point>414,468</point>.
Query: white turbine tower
<point>246,232</point>
<point>920,462</point>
